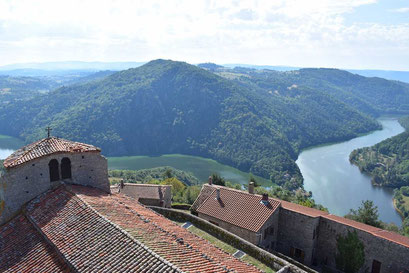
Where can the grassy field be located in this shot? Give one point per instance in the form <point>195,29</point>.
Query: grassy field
<point>199,166</point>
<point>228,248</point>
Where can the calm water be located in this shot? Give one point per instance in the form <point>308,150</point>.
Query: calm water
<point>339,185</point>
<point>199,166</point>
<point>8,145</point>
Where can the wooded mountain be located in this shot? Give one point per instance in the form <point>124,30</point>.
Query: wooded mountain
<point>255,121</point>
<point>373,96</point>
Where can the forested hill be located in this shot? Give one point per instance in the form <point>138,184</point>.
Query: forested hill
<point>373,96</point>
<point>388,161</point>
<point>173,107</point>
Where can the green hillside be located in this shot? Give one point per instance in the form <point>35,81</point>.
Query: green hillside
<point>388,161</point>
<point>373,96</point>
<point>173,107</point>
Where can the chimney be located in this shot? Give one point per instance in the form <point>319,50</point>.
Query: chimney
<point>210,180</point>
<point>251,187</point>
<point>218,194</point>
<point>265,197</point>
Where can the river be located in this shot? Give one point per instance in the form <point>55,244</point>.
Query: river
<point>338,185</point>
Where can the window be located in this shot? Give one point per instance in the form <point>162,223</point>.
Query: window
<point>297,253</point>
<point>54,170</point>
<point>376,266</point>
<point>65,168</point>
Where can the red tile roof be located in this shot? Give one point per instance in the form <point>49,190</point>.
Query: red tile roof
<point>239,208</point>
<point>46,147</point>
<point>302,209</point>
<point>22,249</point>
<point>88,241</point>
<point>172,242</point>
<point>378,232</point>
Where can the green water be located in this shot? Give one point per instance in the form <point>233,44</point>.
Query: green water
<point>199,166</point>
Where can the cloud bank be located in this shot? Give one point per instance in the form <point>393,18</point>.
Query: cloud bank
<point>274,32</point>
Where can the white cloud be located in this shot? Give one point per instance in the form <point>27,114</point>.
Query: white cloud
<point>292,32</point>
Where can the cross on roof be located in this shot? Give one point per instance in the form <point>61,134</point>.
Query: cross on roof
<point>48,131</point>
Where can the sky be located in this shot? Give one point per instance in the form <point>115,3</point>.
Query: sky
<point>354,34</point>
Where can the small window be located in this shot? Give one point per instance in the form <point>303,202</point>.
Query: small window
<point>376,266</point>
<point>213,222</point>
<point>54,170</point>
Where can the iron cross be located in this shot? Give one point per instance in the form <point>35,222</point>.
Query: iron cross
<point>48,131</point>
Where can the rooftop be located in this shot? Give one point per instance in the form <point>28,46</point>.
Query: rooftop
<point>147,191</point>
<point>238,208</point>
<point>82,229</point>
<point>46,147</point>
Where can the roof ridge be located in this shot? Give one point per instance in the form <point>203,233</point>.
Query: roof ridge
<point>125,232</point>
<point>33,145</point>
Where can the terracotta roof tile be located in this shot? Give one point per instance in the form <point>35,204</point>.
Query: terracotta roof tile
<point>239,208</point>
<point>46,147</point>
<point>88,241</point>
<point>172,242</point>
<point>22,249</point>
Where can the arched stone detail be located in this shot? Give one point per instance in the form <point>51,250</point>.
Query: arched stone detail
<point>53,166</point>
<point>66,168</point>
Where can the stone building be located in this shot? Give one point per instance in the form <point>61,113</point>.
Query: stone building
<point>43,165</point>
<point>305,234</point>
<point>148,194</point>
<point>59,216</point>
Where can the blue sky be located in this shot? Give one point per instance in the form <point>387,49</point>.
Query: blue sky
<point>361,34</point>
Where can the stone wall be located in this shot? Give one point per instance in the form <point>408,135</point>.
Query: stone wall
<point>270,241</point>
<point>276,261</point>
<point>296,230</point>
<point>24,182</point>
<point>252,237</point>
<point>393,257</point>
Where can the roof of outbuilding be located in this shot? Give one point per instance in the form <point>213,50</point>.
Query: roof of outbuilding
<point>44,147</point>
<point>238,208</point>
<point>147,191</point>
<point>245,215</point>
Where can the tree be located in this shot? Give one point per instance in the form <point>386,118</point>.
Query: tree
<point>350,257</point>
<point>367,213</point>
<point>177,185</point>
<point>168,173</point>
<point>218,180</point>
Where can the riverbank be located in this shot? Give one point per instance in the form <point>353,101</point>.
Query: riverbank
<point>339,185</point>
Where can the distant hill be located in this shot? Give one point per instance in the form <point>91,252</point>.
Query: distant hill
<point>373,96</point>
<point>173,107</point>
<point>14,88</point>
